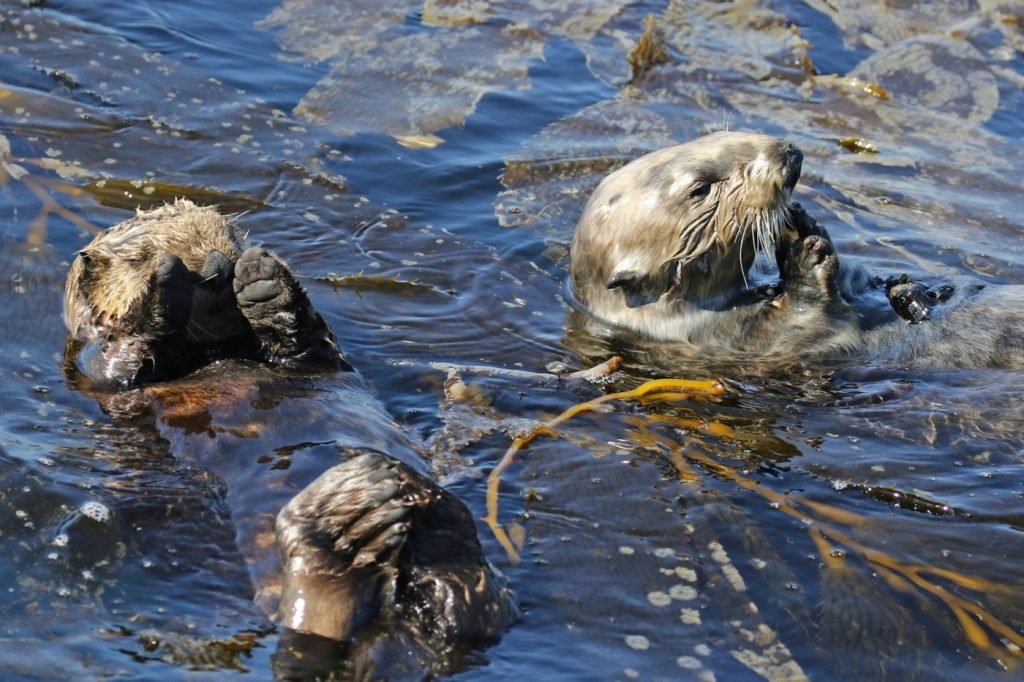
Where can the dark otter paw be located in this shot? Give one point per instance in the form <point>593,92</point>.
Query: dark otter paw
<point>914,301</point>
<point>215,317</point>
<point>810,270</point>
<point>289,330</point>
<point>799,224</point>
<point>910,301</point>
<point>169,299</point>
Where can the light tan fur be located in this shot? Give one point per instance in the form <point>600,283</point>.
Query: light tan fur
<point>121,262</point>
<point>666,241</point>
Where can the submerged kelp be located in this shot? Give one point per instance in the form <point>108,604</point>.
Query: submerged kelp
<point>413,83</point>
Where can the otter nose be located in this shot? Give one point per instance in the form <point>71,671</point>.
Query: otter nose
<point>794,159</point>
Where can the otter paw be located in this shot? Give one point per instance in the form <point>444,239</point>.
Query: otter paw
<point>169,303</point>
<point>910,301</point>
<point>215,317</point>
<point>799,224</point>
<point>289,330</point>
<point>810,270</point>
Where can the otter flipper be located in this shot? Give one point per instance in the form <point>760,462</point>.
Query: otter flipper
<point>371,539</point>
<point>290,331</point>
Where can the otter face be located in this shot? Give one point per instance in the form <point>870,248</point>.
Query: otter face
<point>113,275</point>
<point>158,295</point>
<point>678,229</point>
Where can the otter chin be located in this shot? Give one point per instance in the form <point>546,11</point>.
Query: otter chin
<point>664,244</point>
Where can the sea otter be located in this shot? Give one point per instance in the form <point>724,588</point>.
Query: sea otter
<point>665,244</point>
<point>159,295</point>
<point>367,543</point>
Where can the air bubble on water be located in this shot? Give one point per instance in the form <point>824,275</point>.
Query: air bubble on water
<point>682,593</point>
<point>88,575</point>
<point>61,540</point>
<point>659,598</point>
<point>63,591</point>
<point>840,484</point>
<point>638,642</point>
<point>97,511</point>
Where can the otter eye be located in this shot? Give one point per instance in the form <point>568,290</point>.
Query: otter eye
<point>701,190</point>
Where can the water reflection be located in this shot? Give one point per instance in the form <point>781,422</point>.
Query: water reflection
<point>871,515</point>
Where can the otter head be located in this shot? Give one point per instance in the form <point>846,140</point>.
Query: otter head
<point>676,231</point>
<point>110,278</point>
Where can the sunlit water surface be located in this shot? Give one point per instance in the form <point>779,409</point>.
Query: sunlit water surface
<point>421,167</point>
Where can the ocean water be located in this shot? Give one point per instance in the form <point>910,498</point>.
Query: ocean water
<point>421,168</point>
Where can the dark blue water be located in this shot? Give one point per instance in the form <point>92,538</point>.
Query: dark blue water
<point>854,521</point>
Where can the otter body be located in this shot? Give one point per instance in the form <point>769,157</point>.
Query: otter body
<point>964,324</point>
<point>979,327</point>
<point>664,247</point>
<point>363,535</point>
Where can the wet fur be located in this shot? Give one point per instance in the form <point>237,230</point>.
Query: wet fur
<point>979,327</point>
<point>111,277</point>
<point>664,244</point>
<point>370,540</point>
<point>161,294</point>
<point>668,266</point>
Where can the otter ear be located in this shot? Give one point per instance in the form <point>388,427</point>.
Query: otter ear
<point>622,278</point>
<point>92,259</point>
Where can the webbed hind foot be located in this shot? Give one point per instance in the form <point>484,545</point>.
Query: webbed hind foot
<point>372,538</point>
